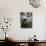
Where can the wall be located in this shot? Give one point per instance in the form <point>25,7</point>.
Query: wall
<point>12,8</point>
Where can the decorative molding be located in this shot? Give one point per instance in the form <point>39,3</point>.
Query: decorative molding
<point>35,3</point>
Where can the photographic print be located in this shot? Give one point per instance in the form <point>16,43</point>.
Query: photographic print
<point>26,19</point>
